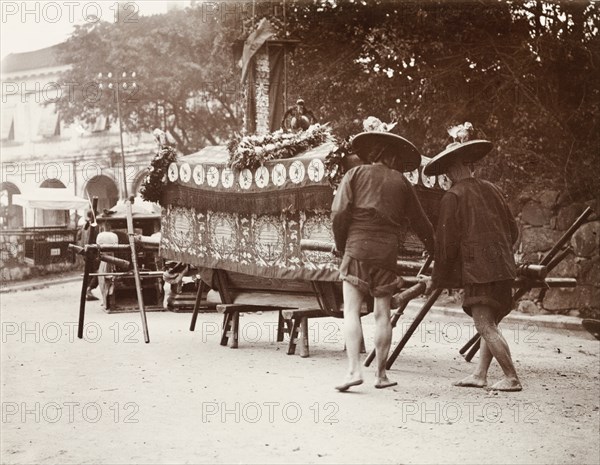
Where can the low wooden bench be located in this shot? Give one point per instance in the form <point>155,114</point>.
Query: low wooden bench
<point>299,324</point>
<point>241,293</point>
<point>231,320</point>
<point>301,300</point>
<point>299,328</point>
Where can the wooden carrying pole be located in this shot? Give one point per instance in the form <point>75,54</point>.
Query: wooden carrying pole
<point>413,327</point>
<point>119,262</point>
<point>130,231</point>
<point>523,284</point>
<point>405,297</point>
<point>136,272</point>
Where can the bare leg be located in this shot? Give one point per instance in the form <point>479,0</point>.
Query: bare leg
<point>353,299</point>
<point>479,376</point>
<point>383,340</point>
<point>487,326</point>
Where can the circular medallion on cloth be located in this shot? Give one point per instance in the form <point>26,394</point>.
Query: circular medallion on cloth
<point>182,228</point>
<point>198,174</point>
<point>173,172</point>
<point>245,179</point>
<point>185,172</point>
<point>317,228</point>
<point>227,178</point>
<point>223,237</point>
<point>269,239</point>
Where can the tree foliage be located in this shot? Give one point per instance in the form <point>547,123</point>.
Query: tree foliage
<point>182,67</point>
<point>525,73</point>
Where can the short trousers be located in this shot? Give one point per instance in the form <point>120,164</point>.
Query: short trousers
<point>369,277</point>
<point>496,295</point>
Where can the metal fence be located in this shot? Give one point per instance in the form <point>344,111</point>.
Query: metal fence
<point>36,246</point>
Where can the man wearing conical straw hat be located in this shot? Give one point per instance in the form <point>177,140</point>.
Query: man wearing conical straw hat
<point>371,212</point>
<point>474,238</point>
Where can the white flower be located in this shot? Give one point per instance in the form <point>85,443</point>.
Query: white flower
<point>461,132</point>
<point>372,124</point>
<point>375,124</point>
<point>453,131</point>
<point>160,136</point>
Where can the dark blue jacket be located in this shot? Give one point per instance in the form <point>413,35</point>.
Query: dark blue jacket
<point>474,236</point>
<point>372,211</point>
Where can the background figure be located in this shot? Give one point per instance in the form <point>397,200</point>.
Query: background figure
<point>370,215</point>
<point>298,118</point>
<point>474,239</point>
<point>106,283</point>
<point>88,235</point>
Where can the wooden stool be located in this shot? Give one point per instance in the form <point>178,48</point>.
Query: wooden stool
<point>299,324</point>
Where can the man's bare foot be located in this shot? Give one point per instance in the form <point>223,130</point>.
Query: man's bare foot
<point>382,382</point>
<point>507,384</point>
<point>351,380</point>
<point>471,381</point>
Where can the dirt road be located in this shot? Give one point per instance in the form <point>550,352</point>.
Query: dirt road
<point>112,399</point>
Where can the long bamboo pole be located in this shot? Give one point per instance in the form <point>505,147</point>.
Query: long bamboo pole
<point>130,230</point>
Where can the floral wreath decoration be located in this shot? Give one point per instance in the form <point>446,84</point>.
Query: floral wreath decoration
<point>156,178</point>
<point>334,162</point>
<point>253,151</point>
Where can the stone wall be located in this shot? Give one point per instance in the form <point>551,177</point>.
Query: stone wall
<point>543,218</point>
<point>21,272</point>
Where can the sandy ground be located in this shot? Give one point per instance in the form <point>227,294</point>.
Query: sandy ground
<point>183,398</point>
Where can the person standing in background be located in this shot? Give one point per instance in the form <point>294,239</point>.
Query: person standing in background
<point>87,235</point>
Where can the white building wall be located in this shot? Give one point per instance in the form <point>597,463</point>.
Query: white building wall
<point>76,156</point>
